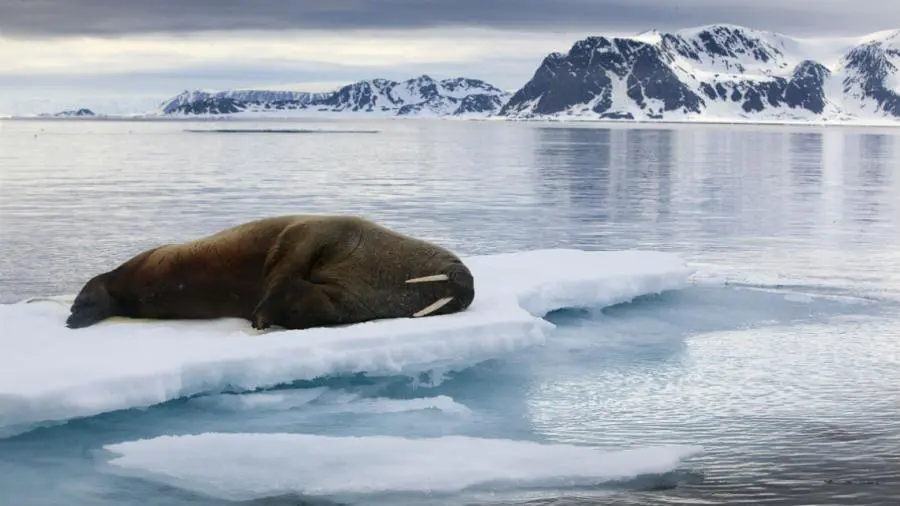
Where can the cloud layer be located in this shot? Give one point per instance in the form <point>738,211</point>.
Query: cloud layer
<point>36,77</point>
<point>44,18</point>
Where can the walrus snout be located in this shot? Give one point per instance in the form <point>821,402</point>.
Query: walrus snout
<point>461,290</point>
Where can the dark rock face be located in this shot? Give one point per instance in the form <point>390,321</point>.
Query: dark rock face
<point>478,104</point>
<point>558,85</point>
<point>355,97</point>
<point>806,88</point>
<point>745,72</point>
<point>208,105</point>
<point>731,45</point>
<point>75,113</point>
<point>458,96</point>
<point>652,78</point>
<point>585,76</point>
<point>461,84</point>
<point>868,68</point>
<point>229,102</point>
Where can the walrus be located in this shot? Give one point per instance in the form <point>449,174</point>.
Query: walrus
<point>295,272</point>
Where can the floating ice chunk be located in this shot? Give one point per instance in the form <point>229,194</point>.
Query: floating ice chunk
<point>326,401</point>
<point>260,401</point>
<point>356,404</point>
<point>51,373</point>
<point>240,466</point>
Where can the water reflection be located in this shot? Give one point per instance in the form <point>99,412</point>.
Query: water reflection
<point>806,162</point>
<point>573,165</point>
<point>602,179</point>
<point>871,176</point>
<point>647,165</point>
<point>804,190</point>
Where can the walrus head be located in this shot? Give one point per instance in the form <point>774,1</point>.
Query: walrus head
<point>92,305</point>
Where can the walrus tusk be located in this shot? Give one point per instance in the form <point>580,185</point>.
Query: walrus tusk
<point>434,307</point>
<point>426,279</point>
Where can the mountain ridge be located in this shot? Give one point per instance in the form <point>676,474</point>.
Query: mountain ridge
<point>422,95</point>
<point>715,71</point>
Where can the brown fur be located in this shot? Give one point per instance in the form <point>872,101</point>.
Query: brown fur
<point>292,271</point>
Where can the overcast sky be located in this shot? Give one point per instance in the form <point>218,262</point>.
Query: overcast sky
<point>66,53</point>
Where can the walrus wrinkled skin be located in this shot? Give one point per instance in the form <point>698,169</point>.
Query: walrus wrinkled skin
<point>295,272</point>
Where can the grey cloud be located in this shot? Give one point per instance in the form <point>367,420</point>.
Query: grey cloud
<point>509,73</point>
<point>45,18</point>
<point>177,79</point>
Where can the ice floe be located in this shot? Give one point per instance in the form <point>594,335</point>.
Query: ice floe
<point>49,373</point>
<point>245,466</point>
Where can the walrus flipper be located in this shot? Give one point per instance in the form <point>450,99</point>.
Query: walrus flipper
<point>298,305</point>
<point>288,298</point>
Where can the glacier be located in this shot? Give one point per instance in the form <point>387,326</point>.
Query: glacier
<point>50,374</point>
<point>248,466</point>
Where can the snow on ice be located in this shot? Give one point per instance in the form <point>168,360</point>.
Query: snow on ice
<point>49,373</point>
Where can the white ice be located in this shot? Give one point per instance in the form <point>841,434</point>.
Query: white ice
<point>244,466</point>
<point>51,373</point>
<point>327,401</point>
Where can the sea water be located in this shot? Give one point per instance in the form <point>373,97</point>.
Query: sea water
<point>781,360</point>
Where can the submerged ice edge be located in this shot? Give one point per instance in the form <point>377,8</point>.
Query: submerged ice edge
<point>250,466</point>
<point>21,414</point>
<point>324,399</point>
<point>812,287</point>
<point>99,372</point>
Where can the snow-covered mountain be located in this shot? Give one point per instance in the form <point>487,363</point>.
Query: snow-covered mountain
<point>73,113</point>
<point>419,96</point>
<point>722,72</point>
<point>716,72</point>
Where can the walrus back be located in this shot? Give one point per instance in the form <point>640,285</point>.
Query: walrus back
<point>219,275</point>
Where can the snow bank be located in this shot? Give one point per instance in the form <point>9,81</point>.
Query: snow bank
<point>240,466</point>
<point>51,373</point>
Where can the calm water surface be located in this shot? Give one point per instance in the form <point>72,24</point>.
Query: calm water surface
<point>783,361</point>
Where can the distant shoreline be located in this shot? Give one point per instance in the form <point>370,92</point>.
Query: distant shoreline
<point>563,121</point>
